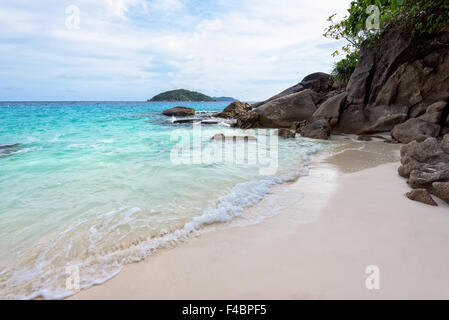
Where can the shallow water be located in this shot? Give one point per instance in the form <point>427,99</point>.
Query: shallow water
<point>94,185</point>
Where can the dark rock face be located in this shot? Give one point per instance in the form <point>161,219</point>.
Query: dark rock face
<point>318,82</point>
<point>398,79</point>
<point>441,190</point>
<point>421,195</point>
<point>286,133</point>
<point>285,111</point>
<point>415,130</point>
<point>179,112</point>
<point>246,117</point>
<point>319,129</point>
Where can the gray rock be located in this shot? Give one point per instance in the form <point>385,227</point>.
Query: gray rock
<point>426,175</point>
<point>286,133</point>
<point>330,109</point>
<point>434,112</point>
<point>445,144</point>
<point>441,190</point>
<point>421,195</point>
<point>415,130</point>
<point>235,110</point>
<point>248,120</point>
<point>316,130</point>
<point>426,158</point>
<point>384,123</point>
<point>220,137</point>
<point>286,111</point>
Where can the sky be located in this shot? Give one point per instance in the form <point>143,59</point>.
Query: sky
<point>131,50</point>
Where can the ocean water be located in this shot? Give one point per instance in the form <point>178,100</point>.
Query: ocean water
<point>94,186</point>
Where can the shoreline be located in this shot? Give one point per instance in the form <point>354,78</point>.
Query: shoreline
<point>330,226</point>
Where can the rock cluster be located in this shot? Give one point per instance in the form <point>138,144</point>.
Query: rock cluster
<point>426,166</point>
<point>400,85</point>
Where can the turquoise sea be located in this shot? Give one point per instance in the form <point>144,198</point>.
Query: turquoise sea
<point>94,185</point>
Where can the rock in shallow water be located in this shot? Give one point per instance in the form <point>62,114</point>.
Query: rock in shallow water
<point>286,134</point>
<point>179,112</point>
<point>235,110</point>
<point>6,149</point>
<point>220,137</point>
<point>421,195</point>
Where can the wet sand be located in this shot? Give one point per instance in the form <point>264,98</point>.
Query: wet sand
<point>348,214</point>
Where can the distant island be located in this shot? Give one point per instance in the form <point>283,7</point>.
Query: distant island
<point>186,95</point>
<point>224,99</point>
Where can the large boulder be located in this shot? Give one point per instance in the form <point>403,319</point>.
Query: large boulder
<point>319,129</point>
<point>286,111</point>
<point>434,112</point>
<point>330,109</point>
<point>429,155</point>
<point>249,120</point>
<point>319,82</point>
<point>179,112</point>
<point>415,130</point>
<point>235,110</point>
<point>425,163</point>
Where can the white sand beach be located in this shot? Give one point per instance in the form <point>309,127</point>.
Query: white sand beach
<point>349,213</point>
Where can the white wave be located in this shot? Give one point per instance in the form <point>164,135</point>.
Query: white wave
<point>99,267</point>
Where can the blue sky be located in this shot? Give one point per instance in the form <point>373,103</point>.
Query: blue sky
<point>134,49</point>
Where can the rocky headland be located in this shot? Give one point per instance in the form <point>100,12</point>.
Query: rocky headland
<point>400,86</point>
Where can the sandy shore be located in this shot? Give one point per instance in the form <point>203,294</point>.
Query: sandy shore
<point>349,213</point>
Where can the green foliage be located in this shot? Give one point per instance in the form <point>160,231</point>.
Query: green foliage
<point>418,16</point>
<point>181,95</point>
<point>343,69</point>
<point>425,17</point>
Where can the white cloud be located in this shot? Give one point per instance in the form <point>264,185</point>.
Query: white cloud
<point>249,49</point>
